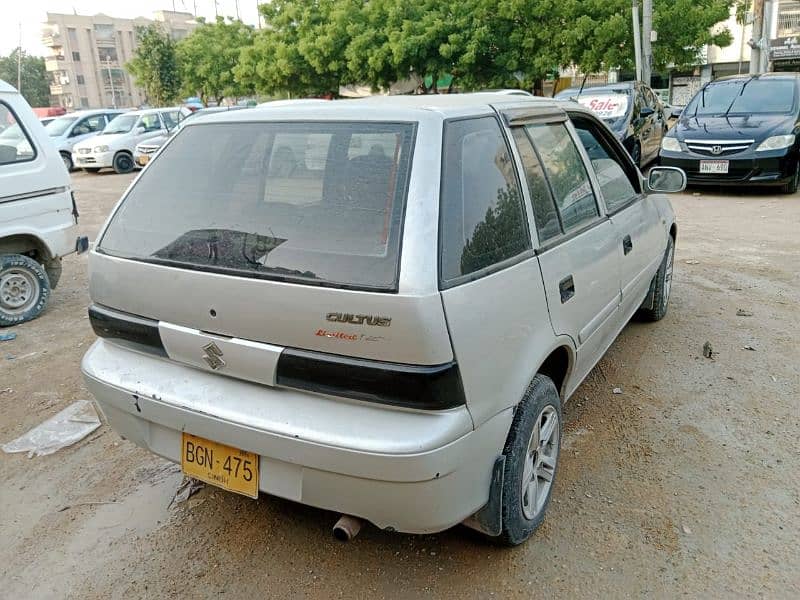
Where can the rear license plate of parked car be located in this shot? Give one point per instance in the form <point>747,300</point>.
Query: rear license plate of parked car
<point>143,160</point>
<point>226,467</point>
<point>714,166</point>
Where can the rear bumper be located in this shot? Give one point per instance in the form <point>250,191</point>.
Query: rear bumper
<point>747,168</point>
<point>412,471</point>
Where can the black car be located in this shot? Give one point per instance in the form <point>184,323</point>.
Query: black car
<point>740,130</point>
<point>633,112</point>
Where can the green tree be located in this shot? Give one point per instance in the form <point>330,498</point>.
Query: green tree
<point>207,57</point>
<point>155,65</point>
<point>35,83</point>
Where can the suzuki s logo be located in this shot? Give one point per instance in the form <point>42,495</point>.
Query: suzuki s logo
<point>213,356</point>
<point>352,319</point>
<point>716,150</point>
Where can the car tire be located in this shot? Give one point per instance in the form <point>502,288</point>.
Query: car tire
<point>67,161</point>
<point>658,299</point>
<point>791,187</point>
<point>92,169</point>
<point>531,461</point>
<point>24,289</point>
<point>123,163</point>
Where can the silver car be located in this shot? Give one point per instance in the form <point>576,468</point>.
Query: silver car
<point>376,306</point>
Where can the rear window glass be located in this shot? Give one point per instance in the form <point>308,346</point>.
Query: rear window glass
<point>316,203</point>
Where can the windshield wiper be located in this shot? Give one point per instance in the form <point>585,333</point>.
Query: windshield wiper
<point>739,95</point>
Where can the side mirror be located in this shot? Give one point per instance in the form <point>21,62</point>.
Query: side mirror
<point>676,112</point>
<point>666,180</point>
<point>646,111</point>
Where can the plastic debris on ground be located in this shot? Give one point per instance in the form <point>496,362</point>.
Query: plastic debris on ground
<point>188,488</point>
<point>7,337</point>
<point>64,429</point>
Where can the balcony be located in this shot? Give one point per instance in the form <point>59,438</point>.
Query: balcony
<point>56,89</point>
<point>788,23</point>
<point>51,40</point>
<point>53,63</point>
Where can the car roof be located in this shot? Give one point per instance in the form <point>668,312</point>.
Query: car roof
<point>622,85</point>
<point>6,87</point>
<point>781,75</point>
<point>395,108</point>
<point>148,111</point>
<point>89,112</point>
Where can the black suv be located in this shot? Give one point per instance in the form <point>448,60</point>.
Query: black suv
<point>633,112</point>
<point>740,130</point>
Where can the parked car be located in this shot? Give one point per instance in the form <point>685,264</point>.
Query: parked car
<point>376,306</point>
<point>47,120</point>
<point>632,111</point>
<point>740,130</point>
<point>38,216</point>
<point>75,127</point>
<point>115,145</point>
<point>145,151</point>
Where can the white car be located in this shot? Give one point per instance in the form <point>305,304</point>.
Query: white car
<point>114,146</point>
<point>376,306</point>
<point>68,130</point>
<point>38,216</point>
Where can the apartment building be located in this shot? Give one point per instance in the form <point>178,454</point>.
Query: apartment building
<point>87,55</point>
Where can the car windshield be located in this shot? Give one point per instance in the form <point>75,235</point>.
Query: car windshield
<point>122,124</point>
<point>58,126</point>
<point>315,203</point>
<point>744,96</point>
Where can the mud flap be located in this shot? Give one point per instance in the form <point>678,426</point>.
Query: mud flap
<point>651,295</point>
<point>489,519</point>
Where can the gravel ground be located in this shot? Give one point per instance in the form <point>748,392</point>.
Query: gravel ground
<point>684,484</point>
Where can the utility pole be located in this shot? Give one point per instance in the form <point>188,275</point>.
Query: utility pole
<point>647,41</point>
<point>19,60</point>
<point>237,10</point>
<point>758,33</point>
<point>216,13</point>
<point>111,81</point>
<point>258,14</point>
<point>637,39</point>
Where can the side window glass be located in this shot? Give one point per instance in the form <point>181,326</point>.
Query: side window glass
<point>617,188</point>
<point>170,119</point>
<point>544,209</point>
<point>567,174</point>
<point>89,125</point>
<point>15,143</point>
<point>150,122</point>
<point>482,218</point>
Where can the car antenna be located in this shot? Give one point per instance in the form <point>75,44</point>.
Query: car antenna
<point>583,83</point>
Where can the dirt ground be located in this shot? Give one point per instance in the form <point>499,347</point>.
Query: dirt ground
<point>686,484</point>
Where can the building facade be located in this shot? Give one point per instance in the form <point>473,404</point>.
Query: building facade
<point>87,55</point>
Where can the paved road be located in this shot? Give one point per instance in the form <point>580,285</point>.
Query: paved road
<point>686,483</point>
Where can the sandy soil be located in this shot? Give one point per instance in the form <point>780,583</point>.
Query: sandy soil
<point>684,484</point>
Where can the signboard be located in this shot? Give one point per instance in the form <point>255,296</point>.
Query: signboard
<point>786,48</point>
<point>606,106</point>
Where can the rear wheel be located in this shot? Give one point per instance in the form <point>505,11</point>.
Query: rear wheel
<point>531,452</point>
<point>67,161</point>
<point>24,289</point>
<point>794,183</point>
<point>123,163</point>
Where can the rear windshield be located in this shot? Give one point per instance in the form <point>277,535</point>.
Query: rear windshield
<point>315,203</point>
<point>606,105</point>
<point>744,96</point>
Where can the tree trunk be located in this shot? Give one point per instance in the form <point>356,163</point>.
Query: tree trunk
<point>538,87</point>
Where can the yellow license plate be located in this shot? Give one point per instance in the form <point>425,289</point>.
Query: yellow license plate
<point>226,467</point>
<point>143,160</point>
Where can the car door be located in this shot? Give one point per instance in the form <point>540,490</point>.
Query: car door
<point>577,246</point>
<point>86,128</point>
<point>640,236</point>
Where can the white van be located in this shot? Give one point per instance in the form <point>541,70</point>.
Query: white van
<point>114,146</point>
<point>38,215</point>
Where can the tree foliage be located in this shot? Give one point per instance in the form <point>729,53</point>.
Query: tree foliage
<point>34,81</point>
<point>155,65</point>
<point>208,56</point>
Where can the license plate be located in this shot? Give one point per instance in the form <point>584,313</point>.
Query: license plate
<point>226,467</point>
<point>143,160</point>
<point>714,166</point>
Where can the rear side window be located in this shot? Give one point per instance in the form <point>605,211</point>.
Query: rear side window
<point>171,118</point>
<point>15,143</point>
<point>544,209</point>
<point>315,203</point>
<point>566,171</point>
<point>482,219</point>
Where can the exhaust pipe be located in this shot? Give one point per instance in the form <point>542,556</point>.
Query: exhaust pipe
<point>346,528</point>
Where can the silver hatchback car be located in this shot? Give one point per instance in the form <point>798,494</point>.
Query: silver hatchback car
<point>377,306</point>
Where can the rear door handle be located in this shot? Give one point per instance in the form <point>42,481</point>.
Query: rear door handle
<point>567,289</point>
<point>627,245</point>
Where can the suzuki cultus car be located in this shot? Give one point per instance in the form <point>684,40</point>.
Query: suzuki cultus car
<point>376,307</point>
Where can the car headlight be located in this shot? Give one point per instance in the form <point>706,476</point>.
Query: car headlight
<point>101,148</point>
<point>671,144</point>
<point>776,142</point>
